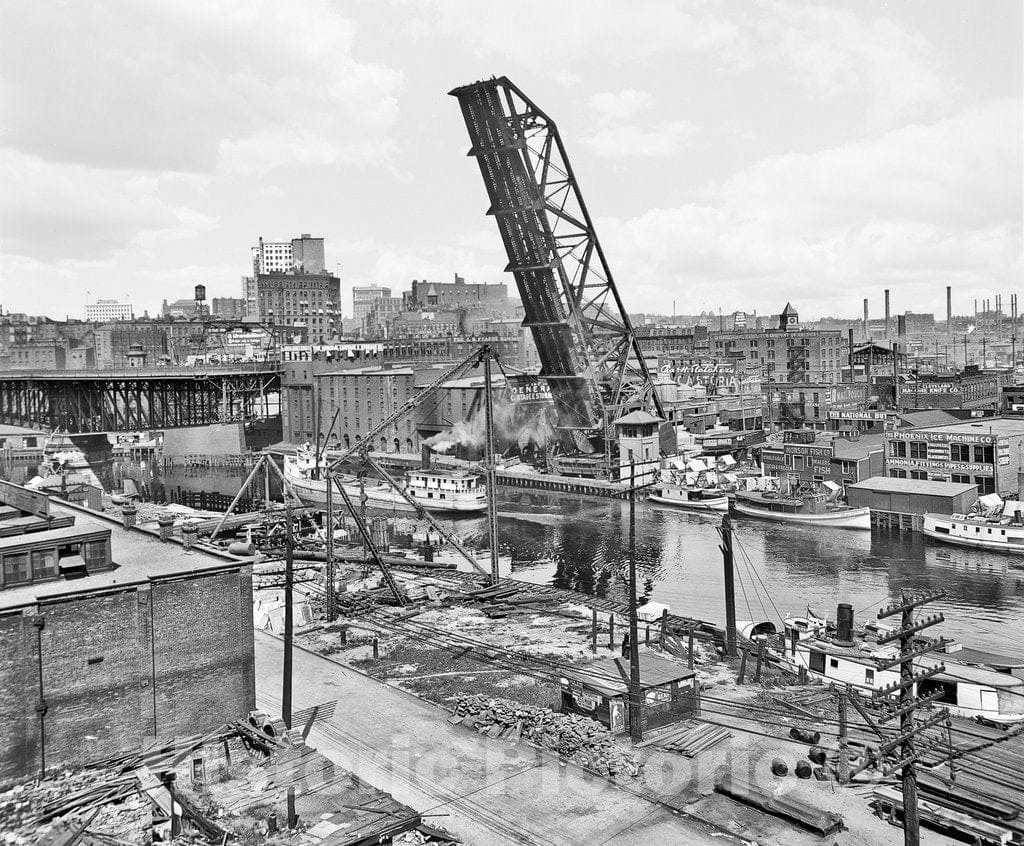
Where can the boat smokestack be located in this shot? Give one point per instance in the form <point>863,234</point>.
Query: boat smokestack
<point>424,457</point>
<point>844,625</point>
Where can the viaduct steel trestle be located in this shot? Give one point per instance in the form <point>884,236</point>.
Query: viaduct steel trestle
<point>133,400</point>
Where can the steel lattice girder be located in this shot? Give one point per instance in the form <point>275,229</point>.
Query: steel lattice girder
<point>588,350</point>
<point>95,403</point>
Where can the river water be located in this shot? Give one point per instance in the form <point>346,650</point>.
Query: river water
<point>583,543</point>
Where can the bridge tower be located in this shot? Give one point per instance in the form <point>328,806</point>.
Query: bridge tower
<point>588,350</point>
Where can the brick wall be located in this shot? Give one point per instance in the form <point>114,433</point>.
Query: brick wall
<point>101,653</point>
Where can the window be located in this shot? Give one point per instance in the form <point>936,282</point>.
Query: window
<point>897,474</point>
<point>16,569</point>
<point>961,478</point>
<point>959,452</point>
<point>983,454</point>
<point>986,485</point>
<point>869,676</point>
<point>833,663</point>
<point>899,449</point>
<point>816,661</point>
<point>918,449</point>
<point>918,474</point>
<point>44,564</point>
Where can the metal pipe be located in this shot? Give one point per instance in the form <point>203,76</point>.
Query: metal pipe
<point>41,708</point>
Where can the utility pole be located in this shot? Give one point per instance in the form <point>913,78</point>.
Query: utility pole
<point>725,530</point>
<point>489,460</point>
<point>289,580</point>
<point>636,732</point>
<point>907,703</point>
<point>329,546</point>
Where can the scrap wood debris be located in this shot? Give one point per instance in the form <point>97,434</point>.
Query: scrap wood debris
<point>580,739</point>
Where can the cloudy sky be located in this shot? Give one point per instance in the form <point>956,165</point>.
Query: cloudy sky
<point>734,155</point>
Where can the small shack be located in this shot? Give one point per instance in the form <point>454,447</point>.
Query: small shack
<point>601,691</point>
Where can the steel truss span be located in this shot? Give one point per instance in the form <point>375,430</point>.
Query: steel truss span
<point>588,351</point>
<point>119,402</point>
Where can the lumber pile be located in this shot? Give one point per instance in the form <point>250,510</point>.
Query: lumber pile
<point>688,739</point>
<point>501,600</point>
<point>580,739</point>
<point>781,805</point>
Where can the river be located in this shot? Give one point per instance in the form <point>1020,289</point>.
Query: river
<point>583,543</point>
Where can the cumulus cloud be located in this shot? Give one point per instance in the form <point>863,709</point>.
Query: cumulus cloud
<point>617,134</point>
<point>160,87</point>
<point>924,206</point>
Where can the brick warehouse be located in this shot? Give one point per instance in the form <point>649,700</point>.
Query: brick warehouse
<point>121,637</point>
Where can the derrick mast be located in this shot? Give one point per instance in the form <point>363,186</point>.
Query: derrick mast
<point>589,353</point>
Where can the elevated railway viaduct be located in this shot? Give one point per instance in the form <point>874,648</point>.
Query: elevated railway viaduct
<point>140,398</point>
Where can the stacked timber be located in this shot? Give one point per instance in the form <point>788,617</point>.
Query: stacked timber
<point>580,739</point>
<point>688,739</point>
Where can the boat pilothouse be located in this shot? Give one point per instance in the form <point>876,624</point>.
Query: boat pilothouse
<point>434,488</point>
<point>972,689</point>
<point>994,524</point>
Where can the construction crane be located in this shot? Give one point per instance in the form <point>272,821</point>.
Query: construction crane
<point>589,352</point>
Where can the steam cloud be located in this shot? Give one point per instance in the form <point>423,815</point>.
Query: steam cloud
<point>513,424</point>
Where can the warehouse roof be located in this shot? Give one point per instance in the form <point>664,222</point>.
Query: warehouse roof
<point>138,554</point>
<point>884,484</point>
<point>986,426</point>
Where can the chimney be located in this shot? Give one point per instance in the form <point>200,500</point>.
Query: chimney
<point>128,513</point>
<point>844,625</point>
<point>849,340</point>
<point>424,457</point>
<point>887,313</point>
<point>866,336</point>
<point>949,310</point>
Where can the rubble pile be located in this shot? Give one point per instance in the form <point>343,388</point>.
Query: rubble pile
<point>580,739</point>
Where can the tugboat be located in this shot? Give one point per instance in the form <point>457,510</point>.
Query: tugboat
<point>436,489</point>
<point>971,687</point>
<point>996,525</point>
<point>813,507</point>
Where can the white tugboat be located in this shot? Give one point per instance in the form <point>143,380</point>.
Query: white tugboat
<point>997,525</point>
<point>436,489</point>
<point>977,686</point>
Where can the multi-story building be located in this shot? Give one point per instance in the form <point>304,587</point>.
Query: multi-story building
<point>300,302</point>
<point>985,452</point>
<point>365,298</point>
<point>111,637</point>
<point>228,308</point>
<point>453,295</point>
<point>38,355</point>
<point>427,324</point>
<point>113,341</point>
<point>808,404</point>
<point>655,340</point>
<point>787,353</point>
<point>808,456</point>
<point>304,254</point>
<point>970,389</point>
<point>103,310</point>
<point>179,308</point>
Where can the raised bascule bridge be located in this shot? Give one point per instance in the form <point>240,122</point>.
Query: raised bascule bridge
<point>589,353</point>
<point>137,399</point>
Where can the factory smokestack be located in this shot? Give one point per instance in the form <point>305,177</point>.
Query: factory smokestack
<point>866,336</point>
<point>949,310</point>
<point>886,313</point>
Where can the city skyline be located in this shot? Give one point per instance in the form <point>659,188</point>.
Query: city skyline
<point>732,157</point>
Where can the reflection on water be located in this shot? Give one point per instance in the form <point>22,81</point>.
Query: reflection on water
<point>583,544</point>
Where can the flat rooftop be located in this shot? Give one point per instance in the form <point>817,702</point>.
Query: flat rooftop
<point>1010,426</point>
<point>139,555</point>
<point>884,484</point>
